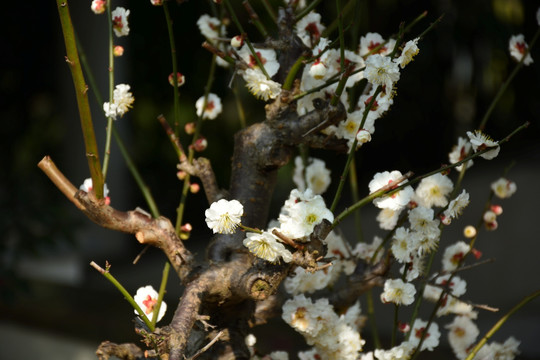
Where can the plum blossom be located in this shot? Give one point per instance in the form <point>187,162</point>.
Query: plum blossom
<point>266,246</point>
<point>120,21</point>
<point>212,108</point>
<point>147,299</point>
<point>381,70</point>
<point>224,216</point>
<point>517,47</point>
<point>503,188</point>
<point>98,6</point>
<point>260,86</point>
<point>480,141</point>
<point>398,292</point>
<point>396,201</point>
<point>431,335</point>
<point>122,101</point>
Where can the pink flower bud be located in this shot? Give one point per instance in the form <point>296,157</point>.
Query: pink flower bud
<point>492,225</point>
<point>189,128</point>
<point>404,327</point>
<point>186,227</point>
<point>156,2</point>
<point>118,50</point>
<point>200,144</point>
<point>181,175</point>
<point>98,6</point>
<point>497,209</point>
<point>194,188</point>
<point>476,253</point>
<point>318,70</point>
<point>179,78</point>
<point>237,41</point>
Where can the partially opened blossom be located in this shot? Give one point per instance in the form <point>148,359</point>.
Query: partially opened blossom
<point>503,188</point>
<point>517,47</point>
<point>120,21</point>
<point>98,6</point>
<point>457,205</point>
<point>122,101</point>
<point>147,299</point>
<point>453,255</point>
<point>212,108</point>
<point>481,141</point>
<point>266,246</point>
<point>224,216</point>
<point>410,50</point>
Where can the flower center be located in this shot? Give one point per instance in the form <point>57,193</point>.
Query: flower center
<point>149,303</point>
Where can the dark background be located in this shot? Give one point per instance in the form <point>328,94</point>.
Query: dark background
<point>49,293</point>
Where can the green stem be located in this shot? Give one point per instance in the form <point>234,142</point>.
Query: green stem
<point>248,43</point>
<point>373,319</point>
<point>162,287</point>
<point>105,272</point>
<point>353,183</point>
<point>379,193</point>
<point>145,190</point>
<point>250,229</point>
<point>107,155</point>
<point>499,323</point>
<point>289,81</point>
<point>312,5</point>
<point>81,92</point>
<point>503,88</point>
<point>172,43</point>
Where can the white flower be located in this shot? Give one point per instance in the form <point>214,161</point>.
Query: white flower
<point>120,21</point>
<point>212,109</point>
<point>400,352</point>
<point>370,41</point>
<point>481,141</point>
<point>506,351</point>
<point>98,6</point>
<point>462,333</point>
<point>260,86</point>
<point>267,58</point>
<point>309,29</point>
<point>408,53</point>
<point>308,282</point>
<point>366,251</point>
<point>298,219</point>
<point>503,188</point>
<point>265,246</point>
<point>426,228</point>
<point>456,206</point>
<point>453,255</point>
<point>517,47</point>
<point>211,28</point>
<point>122,101</point>
<point>223,216</point>
<point>146,298</point>
<point>457,285</point>
<point>398,292</point>
<point>432,190</point>
<point>396,201</point>
<point>315,173</point>
<point>87,187</point>
<point>388,218</point>
<point>403,245</point>
<point>363,136</point>
<point>381,70</point>
<point>431,335</point>
<point>460,152</point>
<point>307,317</point>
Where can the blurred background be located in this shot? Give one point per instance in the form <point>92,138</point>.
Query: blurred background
<point>55,304</point>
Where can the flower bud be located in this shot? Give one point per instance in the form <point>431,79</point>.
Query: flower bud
<point>118,51</point>
<point>189,128</point>
<point>181,175</point>
<point>476,253</point>
<point>200,144</point>
<point>98,6</point>
<point>363,136</point>
<point>318,70</point>
<point>469,231</point>
<point>489,216</point>
<point>179,78</point>
<point>497,209</point>
<point>186,227</point>
<point>156,2</point>
<point>492,225</point>
<point>237,41</point>
<point>194,188</point>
